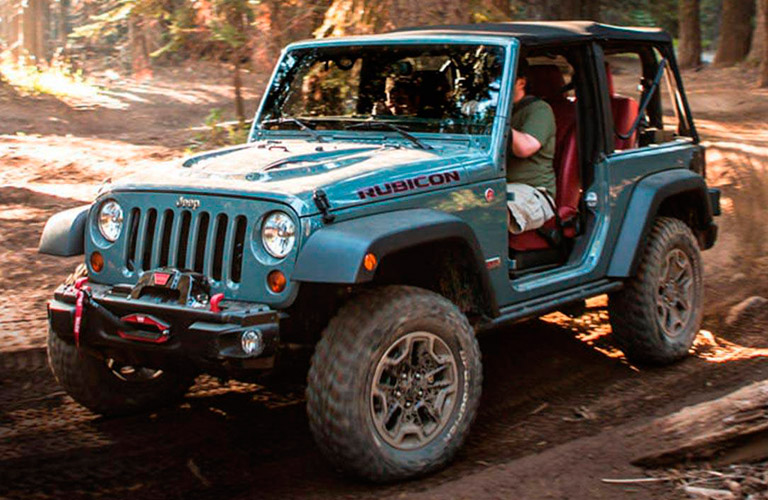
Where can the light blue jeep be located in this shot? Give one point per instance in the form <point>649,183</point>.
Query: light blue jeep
<point>366,218</point>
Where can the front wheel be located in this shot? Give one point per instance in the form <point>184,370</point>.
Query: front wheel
<point>394,384</point>
<point>108,387</point>
<point>657,315</point>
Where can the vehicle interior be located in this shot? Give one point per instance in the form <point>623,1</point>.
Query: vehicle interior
<point>564,78</point>
<point>636,73</point>
<point>421,87</point>
<point>557,76</point>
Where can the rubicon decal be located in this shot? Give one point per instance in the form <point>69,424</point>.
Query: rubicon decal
<point>419,182</point>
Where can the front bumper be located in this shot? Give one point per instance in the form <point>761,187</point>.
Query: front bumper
<point>209,340</point>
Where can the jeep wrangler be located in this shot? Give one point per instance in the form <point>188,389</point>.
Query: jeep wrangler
<point>366,220</point>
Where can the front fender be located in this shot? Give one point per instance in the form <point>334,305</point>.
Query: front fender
<point>643,207</point>
<point>334,254</point>
<point>64,233</point>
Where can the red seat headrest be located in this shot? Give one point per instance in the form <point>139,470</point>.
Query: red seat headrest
<point>545,81</point>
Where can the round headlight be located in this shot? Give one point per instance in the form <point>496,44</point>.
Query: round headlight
<point>110,220</point>
<point>278,233</point>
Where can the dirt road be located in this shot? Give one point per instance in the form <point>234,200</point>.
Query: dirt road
<point>560,404</point>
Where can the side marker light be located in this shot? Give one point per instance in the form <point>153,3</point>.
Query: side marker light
<point>369,262</point>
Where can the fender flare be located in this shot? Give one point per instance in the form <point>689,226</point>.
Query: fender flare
<point>647,197</point>
<point>64,233</point>
<point>334,254</point>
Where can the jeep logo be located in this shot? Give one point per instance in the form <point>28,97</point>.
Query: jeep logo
<point>190,203</point>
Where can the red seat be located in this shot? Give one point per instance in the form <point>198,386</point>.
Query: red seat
<point>546,82</point>
<point>624,111</point>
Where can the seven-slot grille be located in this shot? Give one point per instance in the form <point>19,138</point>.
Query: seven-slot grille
<point>211,244</point>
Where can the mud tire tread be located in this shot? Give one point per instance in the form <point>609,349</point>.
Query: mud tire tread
<point>632,310</point>
<point>345,348</point>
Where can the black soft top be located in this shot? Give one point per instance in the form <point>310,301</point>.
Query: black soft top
<point>548,32</point>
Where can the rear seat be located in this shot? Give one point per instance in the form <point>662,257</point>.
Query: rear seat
<point>546,82</point>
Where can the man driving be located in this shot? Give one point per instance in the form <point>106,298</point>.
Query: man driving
<point>530,175</point>
<point>402,98</point>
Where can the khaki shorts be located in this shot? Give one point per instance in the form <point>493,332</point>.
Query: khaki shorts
<point>529,207</point>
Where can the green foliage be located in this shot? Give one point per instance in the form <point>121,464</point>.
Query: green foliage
<point>661,13</point>
<point>180,27</point>
<point>181,31</point>
<point>114,14</point>
<point>219,134</point>
<point>234,22</point>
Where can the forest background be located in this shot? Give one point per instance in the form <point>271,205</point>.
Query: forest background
<point>133,37</point>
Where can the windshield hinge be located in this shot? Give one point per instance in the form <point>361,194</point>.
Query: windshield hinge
<point>321,200</point>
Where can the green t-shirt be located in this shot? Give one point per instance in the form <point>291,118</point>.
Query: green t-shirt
<point>537,120</point>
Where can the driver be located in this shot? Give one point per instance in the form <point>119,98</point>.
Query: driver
<point>402,98</point>
<point>530,174</point>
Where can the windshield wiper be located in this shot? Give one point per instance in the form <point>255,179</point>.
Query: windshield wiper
<point>379,124</point>
<point>303,126</point>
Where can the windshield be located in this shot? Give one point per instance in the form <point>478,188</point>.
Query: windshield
<point>435,88</point>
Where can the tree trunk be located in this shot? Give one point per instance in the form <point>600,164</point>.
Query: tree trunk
<point>140,64</point>
<point>27,29</point>
<point>504,7</point>
<point>42,11</point>
<point>759,34</point>
<point>731,429</point>
<point>735,30</point>
<point>764,62</point>
<point>590,10</point>
<point>238,83</point>
<point>689,48</point>
<point>33,34</point>
<point>17,31</point>
<point>64,27</point>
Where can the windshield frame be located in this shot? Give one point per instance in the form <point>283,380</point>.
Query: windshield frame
<point>510,46</point>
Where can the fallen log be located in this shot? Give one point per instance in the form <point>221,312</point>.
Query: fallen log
<point>730,429</point>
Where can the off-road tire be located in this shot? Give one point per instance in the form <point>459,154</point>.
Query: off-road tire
<point>342,370</point>
<point>92,383</point>
<point>634,315</point>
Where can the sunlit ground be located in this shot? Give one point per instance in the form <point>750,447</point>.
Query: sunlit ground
<point>56,80</point>
<point>594,329</point>
<point>107,89</point>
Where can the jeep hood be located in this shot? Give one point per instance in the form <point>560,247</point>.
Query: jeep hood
<point>291,171</point>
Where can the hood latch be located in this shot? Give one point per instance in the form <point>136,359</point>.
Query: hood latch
<point>322,203</point>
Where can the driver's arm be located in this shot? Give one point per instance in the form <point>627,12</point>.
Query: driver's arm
<point>524,145</point>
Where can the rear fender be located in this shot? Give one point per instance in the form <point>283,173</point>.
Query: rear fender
<point>647,197</point>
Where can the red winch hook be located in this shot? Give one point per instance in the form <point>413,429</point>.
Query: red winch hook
<point>82,291</point>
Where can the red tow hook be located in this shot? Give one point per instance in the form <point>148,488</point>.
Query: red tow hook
<point>82,291</point>
<point>215,301</point>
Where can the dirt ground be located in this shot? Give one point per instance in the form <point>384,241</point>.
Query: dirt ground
<point>560,407</point>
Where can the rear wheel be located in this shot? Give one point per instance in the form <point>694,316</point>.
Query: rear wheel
<point>394,384</point>
<point>657,315</point>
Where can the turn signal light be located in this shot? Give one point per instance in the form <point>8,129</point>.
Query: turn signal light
<point>276,281</point>
<point>97,262</point>
<point>369,262</point>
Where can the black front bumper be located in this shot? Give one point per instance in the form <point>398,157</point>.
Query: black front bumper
<point>209,340</point>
